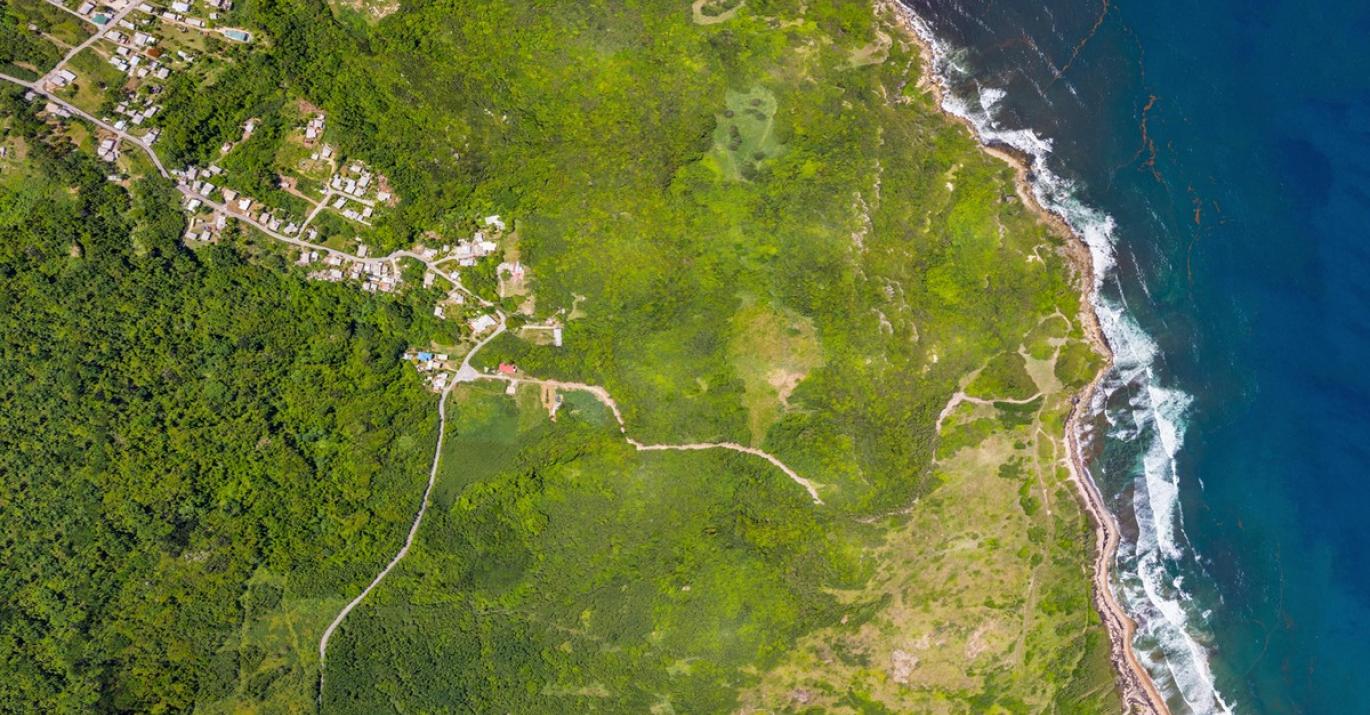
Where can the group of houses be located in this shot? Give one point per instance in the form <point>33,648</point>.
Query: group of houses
<point>355,191</point>
<point>432,366</point>
<point>376,276</point>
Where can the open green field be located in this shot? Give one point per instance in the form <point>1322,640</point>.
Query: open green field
<point>96,80</point>
<point>747,135</point>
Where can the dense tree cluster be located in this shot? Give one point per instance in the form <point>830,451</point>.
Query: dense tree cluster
<point>173,423</point>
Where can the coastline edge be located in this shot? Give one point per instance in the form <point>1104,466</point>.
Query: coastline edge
<point>1136,688</point>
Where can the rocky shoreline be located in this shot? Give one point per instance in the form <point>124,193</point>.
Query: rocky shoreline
<point>1136,688</point>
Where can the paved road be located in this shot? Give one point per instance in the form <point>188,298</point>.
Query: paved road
<point>423,505</point>
<point>219,206</point>
<point>404,550</point>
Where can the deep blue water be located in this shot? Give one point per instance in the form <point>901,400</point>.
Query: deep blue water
<point>1222,150</point>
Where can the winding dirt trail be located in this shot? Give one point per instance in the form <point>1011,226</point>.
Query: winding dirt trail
<point>601,394</point>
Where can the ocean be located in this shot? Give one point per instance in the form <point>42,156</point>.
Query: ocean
<point>1216,158</point>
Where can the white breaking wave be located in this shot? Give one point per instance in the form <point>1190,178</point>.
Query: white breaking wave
<point>1150,586</point>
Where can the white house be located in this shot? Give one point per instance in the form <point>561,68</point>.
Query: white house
<point>482,323</point>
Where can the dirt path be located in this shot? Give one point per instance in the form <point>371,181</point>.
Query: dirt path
<point>961,396</point>
<point>601,394</point>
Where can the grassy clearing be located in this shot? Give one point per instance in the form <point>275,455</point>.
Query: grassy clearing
<point>548,544</point>
<point>772,352</point>
<point>1004,377</point>
<point>95,80</point>
<point>746,136</point>
<point>273,661</point>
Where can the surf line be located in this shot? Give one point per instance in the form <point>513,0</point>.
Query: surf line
<point>1129,354</point>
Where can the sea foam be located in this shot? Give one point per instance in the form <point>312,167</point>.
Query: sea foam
<point>1151,418</point>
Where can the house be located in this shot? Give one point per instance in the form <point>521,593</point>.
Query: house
<point>244,204</point>
<point>494,221</point>
<point>482,323</point>
<point>180,6</point>
<point>556,336</point>
<point>85,8</point>
<point>508,368</point>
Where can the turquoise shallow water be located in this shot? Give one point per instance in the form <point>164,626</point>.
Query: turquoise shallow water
<point>1217,156</point>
